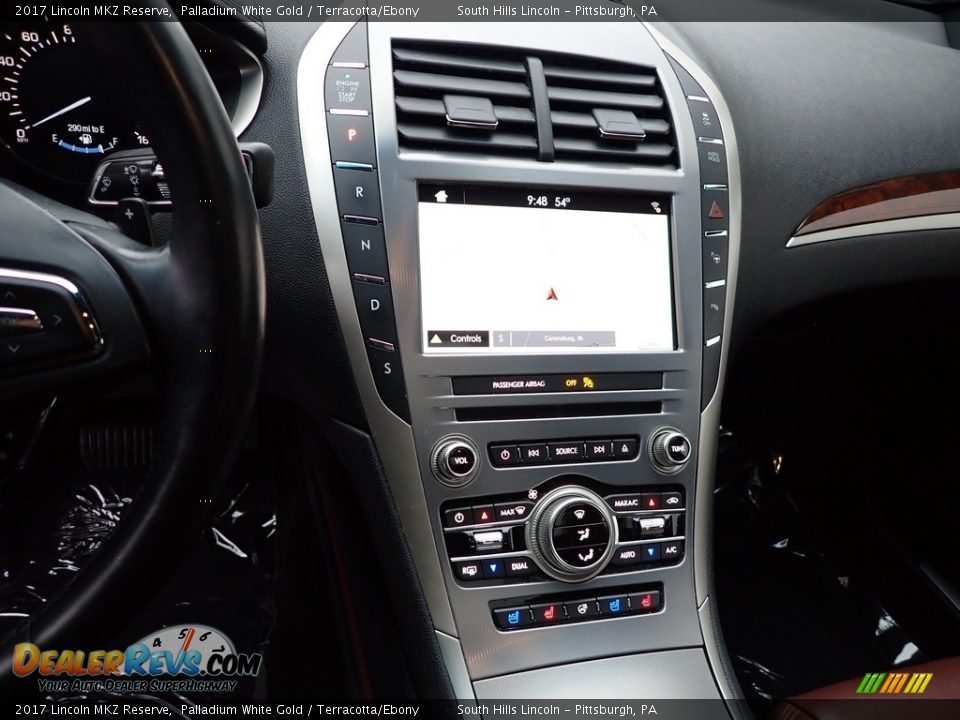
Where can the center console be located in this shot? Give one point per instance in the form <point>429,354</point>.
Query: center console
<point>530,233</point>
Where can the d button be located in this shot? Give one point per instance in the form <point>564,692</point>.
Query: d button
<point>375,308</point>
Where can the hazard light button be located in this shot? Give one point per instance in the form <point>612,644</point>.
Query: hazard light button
<point>716,208</point>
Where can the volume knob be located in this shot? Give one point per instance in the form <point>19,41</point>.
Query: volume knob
<point>669,450</point>
<point>572,533</point>
<point>455,460</point>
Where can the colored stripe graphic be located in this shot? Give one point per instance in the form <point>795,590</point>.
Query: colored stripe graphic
<point>894,683</point>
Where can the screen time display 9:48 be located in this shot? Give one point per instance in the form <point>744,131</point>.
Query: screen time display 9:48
<point>545,201</point>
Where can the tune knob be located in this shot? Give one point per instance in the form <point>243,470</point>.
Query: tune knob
<point>669,450</point>
<point>455,460</point>
<point>572,533</point>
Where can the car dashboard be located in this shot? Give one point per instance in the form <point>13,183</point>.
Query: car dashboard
<point>508,267</point>
<point>534,289</point>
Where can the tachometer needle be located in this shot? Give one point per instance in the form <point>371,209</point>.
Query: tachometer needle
<point>58,113</point>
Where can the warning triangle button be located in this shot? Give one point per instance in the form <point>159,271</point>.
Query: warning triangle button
<point>716,212</point>
<point>435,340</point>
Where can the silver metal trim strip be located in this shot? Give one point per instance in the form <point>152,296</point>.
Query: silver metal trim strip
<point>943,221</point>
<point>347,111</point>
<point>710,417</point>
<point>251,90</point>
<point>393,437</point>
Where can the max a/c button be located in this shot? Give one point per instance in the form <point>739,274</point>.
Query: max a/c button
<point>504,455</point>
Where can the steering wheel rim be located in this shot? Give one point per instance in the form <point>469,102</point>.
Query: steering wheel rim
<point>201,305</point>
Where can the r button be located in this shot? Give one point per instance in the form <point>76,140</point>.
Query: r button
<point>358,192</point>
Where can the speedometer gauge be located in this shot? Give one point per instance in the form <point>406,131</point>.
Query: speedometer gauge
<point>53,113</point>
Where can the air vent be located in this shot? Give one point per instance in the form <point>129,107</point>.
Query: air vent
<point>463,99</point>
<point>608,112</point>
<point>499,101</point>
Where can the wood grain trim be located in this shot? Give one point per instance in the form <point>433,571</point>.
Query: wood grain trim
<point>905,197</point>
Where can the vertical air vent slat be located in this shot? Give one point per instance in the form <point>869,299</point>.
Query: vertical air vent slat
<point>598,111</point>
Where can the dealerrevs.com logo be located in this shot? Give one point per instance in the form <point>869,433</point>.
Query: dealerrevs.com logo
<point>193,658</point>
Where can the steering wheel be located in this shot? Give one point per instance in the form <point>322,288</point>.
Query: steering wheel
<point>99,304</point>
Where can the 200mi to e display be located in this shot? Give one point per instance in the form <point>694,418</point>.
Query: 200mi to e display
<point>518,270</point>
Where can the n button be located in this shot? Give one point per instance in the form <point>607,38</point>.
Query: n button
<point>366,249</point>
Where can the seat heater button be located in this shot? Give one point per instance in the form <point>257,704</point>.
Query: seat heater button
<point>645,602</point>
<point>513,617</point>
<point>547,613</point>
<point>614,605</point>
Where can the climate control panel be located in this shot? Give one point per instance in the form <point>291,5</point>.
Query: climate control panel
<point>571,530</point>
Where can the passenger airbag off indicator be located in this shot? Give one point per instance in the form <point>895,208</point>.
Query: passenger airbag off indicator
<point>458,338</point>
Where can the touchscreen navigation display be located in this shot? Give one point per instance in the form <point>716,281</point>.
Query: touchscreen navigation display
<point>528,271</point>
